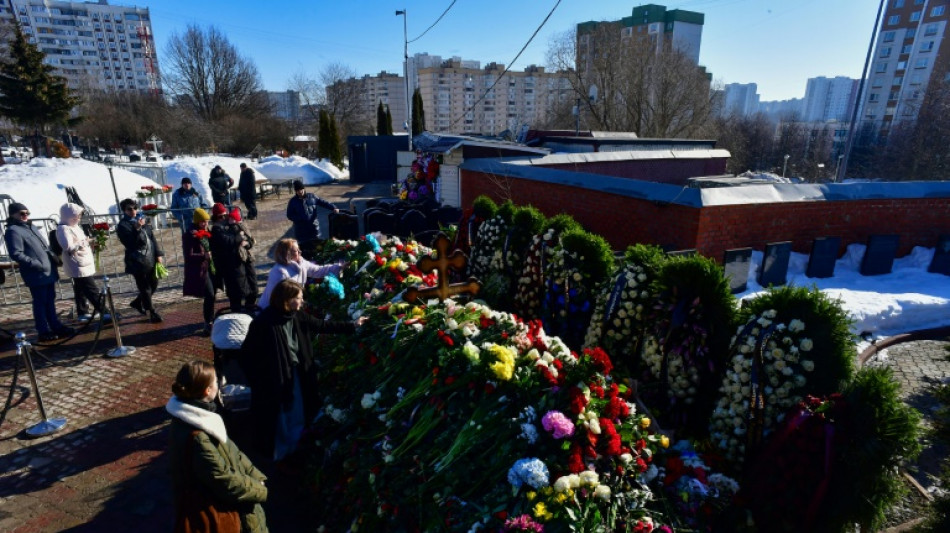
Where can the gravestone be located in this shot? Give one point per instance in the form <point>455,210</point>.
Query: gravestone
<point>682,253</point>
<point>736,264</point>
<point>941,261</point>
<point>774,266</point>
<point>879,255</point>
<point>824,254</point>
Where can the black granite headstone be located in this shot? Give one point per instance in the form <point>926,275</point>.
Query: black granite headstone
<point>775,263</point>
<point>941,261</point>
<point>824,254</point>
<point>682,253</point>
<point>879,255</point>
<point>736,264</point>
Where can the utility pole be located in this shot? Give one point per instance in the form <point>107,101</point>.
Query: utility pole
<point>405,40</point>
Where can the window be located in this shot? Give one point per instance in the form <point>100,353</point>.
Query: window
<point>898,4</point>
<point>921,63</point>
<point>937,11</point>
<point>885,51</point>
<point>926,46</point>
<point>931,29</point>
<point>878,82</point>
<point>915,16</point>
<point>889,36</point>
<point>898,80</point>
<point>892,95</point>
<point>907,48</point>
<point>918,2</point>
<point>901,65</point>
<point>872,97</point>
<point>893,20</point>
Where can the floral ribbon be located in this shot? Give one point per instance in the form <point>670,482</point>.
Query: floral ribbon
<point>614,299</point>
<point>755,420</point>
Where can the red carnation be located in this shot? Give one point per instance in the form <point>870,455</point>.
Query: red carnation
<point>575,463</point>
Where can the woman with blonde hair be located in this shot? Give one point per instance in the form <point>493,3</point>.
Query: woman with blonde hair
<point>278,358</point>
<point>216,487</point>
<point>291,265</point>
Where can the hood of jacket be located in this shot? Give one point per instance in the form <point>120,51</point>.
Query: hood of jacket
<point>207,421</point>
<point>69,210</point>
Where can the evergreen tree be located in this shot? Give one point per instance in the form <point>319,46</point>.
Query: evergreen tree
<point>323,135</point>
<point>335,150</point>
<point>30,94</point>
<point>380,119</point>
<point>389,122</point>
<point>418,114</point>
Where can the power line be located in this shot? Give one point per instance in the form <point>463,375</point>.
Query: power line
<point>434,23</point>
<point>533,35</point>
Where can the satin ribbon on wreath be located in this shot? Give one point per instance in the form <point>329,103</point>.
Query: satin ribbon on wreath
<point>504,246</point>
<point>755,423</point>
<point>614,300</point>
<point>822,489</point>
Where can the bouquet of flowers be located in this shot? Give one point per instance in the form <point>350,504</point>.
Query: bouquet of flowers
<point>146,191</point>
<point>100,236</point>
<point>204,238</point>
<point>167,188</point>
<point>151,209</point>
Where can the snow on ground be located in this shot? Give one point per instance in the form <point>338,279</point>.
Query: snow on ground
<point>907,299</point>
<point>280,169</point>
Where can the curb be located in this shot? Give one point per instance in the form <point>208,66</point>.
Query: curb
<point>932,334</point>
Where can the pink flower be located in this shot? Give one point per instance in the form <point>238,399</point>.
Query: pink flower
<point>557,424</point>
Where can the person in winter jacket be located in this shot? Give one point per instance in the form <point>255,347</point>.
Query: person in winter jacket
<point>277,358</point>
<point>215,486</point>
<point>247,186</point>
<point>246,255</point>
<point>185,200</point>
<point>200,281</point>
<point>141,254</point>
<point>220,184</point>
<point>291,265</point>
<point>28,248</point>
<point>226,244</point>
<point>79,261</point>
<point>302,211</point>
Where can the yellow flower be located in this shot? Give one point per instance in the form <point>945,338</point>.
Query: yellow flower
<point>541,512</point>
<point>504,367</point>
<point>644,422</point>
<point>664,441</point>
<point>531,495</point>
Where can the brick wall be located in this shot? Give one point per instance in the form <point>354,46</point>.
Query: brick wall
<point>625,220</point>
<point>671,171</point>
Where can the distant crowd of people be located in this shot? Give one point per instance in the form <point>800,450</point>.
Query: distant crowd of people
<point>214,482</point>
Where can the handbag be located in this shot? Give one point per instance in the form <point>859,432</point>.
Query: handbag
<point>55,260</point>
<point>197,510</point>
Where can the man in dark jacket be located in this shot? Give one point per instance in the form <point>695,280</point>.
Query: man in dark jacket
<point>32,254</point>
<point>141,254</point>
<point>184,202</point>
<point>247,186</point>
<point>302,211</point>
<point>226,244</point>
<point>220,184</point>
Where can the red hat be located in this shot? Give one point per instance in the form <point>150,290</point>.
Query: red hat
<point>218,209</point>
<point>236,214</point>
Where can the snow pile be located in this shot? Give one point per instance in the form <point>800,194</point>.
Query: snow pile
<point>907,299</point>
<point>199,170</point>
<point>280,169</point>
<point>768,176</point>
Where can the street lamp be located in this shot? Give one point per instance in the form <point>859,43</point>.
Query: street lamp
<point>785,165</point>
<point>405,40</point>
<point>821,166</point>
<point>109,164</point>
<point>837,166</point>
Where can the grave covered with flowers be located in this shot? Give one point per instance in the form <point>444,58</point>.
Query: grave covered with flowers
<point>467,415</point>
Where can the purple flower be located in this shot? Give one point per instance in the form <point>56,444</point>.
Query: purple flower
<point>559,425</point>
<point>523,523</point>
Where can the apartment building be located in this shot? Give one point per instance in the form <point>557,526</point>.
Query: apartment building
<point>829,99</point>
<point>911,50</point>
<point>93,45</point>
<point>655,25</point>
<point>286,104</point>
<point>740,99</point>
<point>461,97</point>
<point>390,89</point>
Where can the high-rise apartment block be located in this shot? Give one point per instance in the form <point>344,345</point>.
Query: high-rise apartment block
<point>829,99</point>
<point>911,51</point>
<point>740,99</point>
<point>92,44</point>
<point>663,29</point>
<point>390,89</point>
<point>286,104</point>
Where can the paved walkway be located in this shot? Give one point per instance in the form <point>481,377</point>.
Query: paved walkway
<point>106,470</point>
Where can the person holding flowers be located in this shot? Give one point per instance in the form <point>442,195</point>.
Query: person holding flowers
<point>278,358</point>
<point>142,254</point>
<point>201,279</point>
<point>78,261</point>
<point>291,265</point>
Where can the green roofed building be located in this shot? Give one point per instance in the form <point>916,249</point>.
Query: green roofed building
<point>652,23</point>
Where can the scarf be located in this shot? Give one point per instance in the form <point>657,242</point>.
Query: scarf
<point>199,417</point>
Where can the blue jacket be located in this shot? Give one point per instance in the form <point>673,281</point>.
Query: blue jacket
<point>30,251</point>
<point>184,204</point>
<point>303,213</point>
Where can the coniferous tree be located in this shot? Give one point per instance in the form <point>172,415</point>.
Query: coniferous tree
<point>418,114</point>
<point>335,151</point>
<point>389,122</point>
<point>380,119</point>
<point>323,135</point>
<point>30,94</point>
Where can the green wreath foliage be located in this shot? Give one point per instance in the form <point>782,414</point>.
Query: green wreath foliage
<point>598,258</point>
<point>527,221</point>
<point>484,207</point>
<point>561,223</point>
<point>507,211</point>
<point>828,326</point>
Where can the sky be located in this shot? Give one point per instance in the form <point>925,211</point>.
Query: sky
<point>777,44</point>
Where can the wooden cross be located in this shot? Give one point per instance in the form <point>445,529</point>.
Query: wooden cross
<point>443,290</point>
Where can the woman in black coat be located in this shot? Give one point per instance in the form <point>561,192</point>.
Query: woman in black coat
<point>277,357</point>
<point>226,247</point>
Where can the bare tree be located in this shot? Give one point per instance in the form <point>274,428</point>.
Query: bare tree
<point>638,88</point>
<point>206,73</point>
<point>346,100</point>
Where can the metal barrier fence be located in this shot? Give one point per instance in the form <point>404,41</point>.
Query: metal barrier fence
<point>167,233</point>
<point>152,171</point>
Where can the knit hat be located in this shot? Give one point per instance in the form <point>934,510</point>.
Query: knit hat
<point>218,209</point>
<point>200,216</point>
<point>236,214</point>
<point>243,165</point>
<point>185,180</point>
<point>298,185</point>
<point>16,207</point>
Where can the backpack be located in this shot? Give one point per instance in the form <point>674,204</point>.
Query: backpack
<point>55,248</point>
